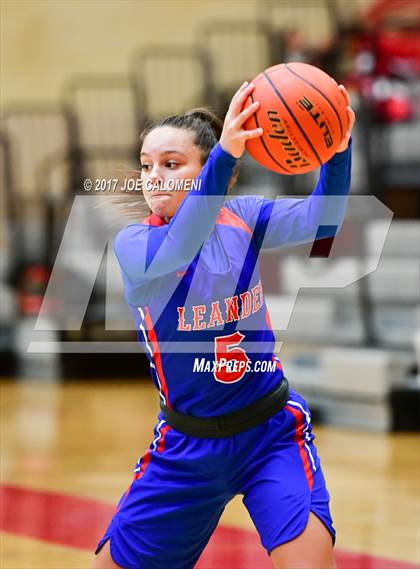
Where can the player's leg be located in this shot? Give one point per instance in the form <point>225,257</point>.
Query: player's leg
<point>312,549</point>
<point>172,507</point>
<point>285,492</point>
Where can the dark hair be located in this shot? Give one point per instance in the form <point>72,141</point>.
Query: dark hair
<point>206,126</point>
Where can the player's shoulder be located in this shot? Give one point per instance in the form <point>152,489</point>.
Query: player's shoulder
<point>131,229</point>
<point>129,232</point>
<point>241,212</point>
<point>241,204</point>
<point>246,207</point>
<point>143,226</point>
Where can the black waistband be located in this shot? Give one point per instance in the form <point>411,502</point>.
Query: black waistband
<point>230,423</point>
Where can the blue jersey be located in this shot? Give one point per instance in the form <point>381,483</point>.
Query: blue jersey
<point>194,286</point>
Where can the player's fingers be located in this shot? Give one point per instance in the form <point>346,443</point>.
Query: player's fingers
<point>255,133</point>
<point>345,95</point>
<point>246,113</point>
<point>239,99</point>
<point>238,93</point>
<point>351,117</point>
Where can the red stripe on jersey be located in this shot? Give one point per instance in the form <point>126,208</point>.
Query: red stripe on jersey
<point>278,364</point>
<point>268,320</point>
<point>300,440</point>
<point>156,354</point>
<point>227,217</point>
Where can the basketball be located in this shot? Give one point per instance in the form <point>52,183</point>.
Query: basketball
<point>303,115</point>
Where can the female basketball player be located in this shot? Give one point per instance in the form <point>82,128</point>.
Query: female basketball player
<point>228,423</point>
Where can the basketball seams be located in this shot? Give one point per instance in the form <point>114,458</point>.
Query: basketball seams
<point>275,89</point>
<point>265,146</point>
<point>321,93</point>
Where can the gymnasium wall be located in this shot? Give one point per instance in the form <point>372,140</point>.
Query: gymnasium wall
<point>44,42</point>
<point>54,135</point>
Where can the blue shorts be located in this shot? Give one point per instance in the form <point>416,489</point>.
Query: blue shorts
<point>182,485</point>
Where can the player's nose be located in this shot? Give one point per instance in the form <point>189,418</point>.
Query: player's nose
<point>155,175</point>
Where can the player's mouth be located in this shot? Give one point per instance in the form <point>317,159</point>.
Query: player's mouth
<point>160,196</point>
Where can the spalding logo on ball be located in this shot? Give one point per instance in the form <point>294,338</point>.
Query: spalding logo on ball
<point>303,114</point>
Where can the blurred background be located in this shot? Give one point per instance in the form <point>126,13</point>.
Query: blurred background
<point>79,81</point>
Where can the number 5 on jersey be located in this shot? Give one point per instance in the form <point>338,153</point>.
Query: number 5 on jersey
<point>231,362</point>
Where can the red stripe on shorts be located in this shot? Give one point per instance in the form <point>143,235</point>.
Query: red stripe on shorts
<point>145,460</point>
<point>300,440</point>
<point>143,465</point>
<point>161,445</point>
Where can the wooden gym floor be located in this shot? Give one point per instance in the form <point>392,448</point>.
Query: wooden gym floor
<point>68,452</point>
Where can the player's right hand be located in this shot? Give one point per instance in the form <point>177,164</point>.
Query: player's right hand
<point>234,136</point>
<point>351,117</point>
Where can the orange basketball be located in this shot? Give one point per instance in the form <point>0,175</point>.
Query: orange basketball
<point>303,115</point>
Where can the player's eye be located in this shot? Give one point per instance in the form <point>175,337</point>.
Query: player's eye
<point>145,167</point>
<point>172,164</point>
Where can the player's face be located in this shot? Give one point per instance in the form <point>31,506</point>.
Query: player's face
<point>168,153</point>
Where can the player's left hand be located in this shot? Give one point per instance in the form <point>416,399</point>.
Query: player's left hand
<point>234,136</point>
<point>351,117</point>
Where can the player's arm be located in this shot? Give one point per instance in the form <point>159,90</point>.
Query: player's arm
<point>291,221</point>
<point>145,252</point>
